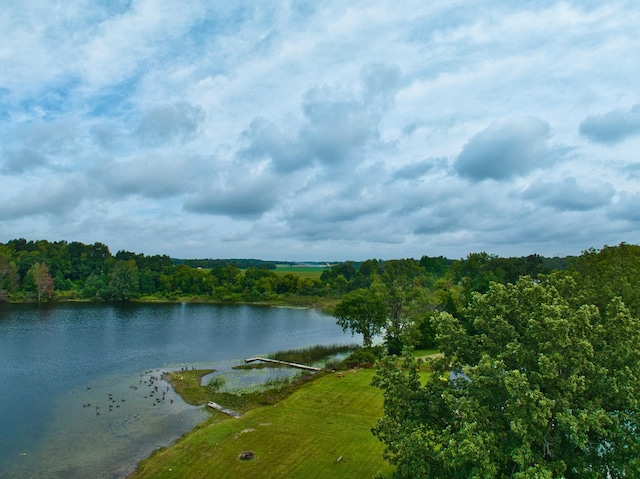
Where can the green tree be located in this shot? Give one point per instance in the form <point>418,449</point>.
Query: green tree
<point>533,383</point>
<point>95,286</point>
<point>612,271</point>
<point>8,278</point>
<point>362,312</point>
<point>123,283</point>
<point>397,289</point>
<point>188,280</point>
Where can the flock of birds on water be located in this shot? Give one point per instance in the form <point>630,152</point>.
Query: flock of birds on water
<point>150,384</point>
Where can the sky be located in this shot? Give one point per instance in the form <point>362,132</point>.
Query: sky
<point>321,131</point>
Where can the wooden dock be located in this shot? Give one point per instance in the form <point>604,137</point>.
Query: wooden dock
<point>225,410</point>
<point>293,365</point>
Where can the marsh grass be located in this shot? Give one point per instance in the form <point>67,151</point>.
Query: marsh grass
<point>313,354</point>
<point>216,383</point>
<point>258,365</point>
<point>188,385</point>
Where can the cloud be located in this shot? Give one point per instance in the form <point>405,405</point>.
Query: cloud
<point>175,121</point>
<point>452,207</point>
<point>626,208</point>
<point>340,124</point>
<point>339,129</point>
<point>633,170</point>
<point>105,136</point>
<point>38,145</point>
<point>381,82</point>
<point>613,126</point>
<point>505,150</point>
<point>160,175</point>
<point>337,126</point>
<point>17,162</point>
<point>331,207</point>
<point>570,195</point>
<point>414,171</point>
<point>54,196</point>
<point>265,140</point>
<point>243,196</point>
<point>123,43</point>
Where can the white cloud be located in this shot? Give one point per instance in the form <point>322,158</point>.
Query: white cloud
<point>332,129</point>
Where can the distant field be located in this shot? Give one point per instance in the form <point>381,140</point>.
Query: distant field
<point>322,431</point>
<point>312,272</point>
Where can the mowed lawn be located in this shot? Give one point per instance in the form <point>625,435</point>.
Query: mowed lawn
<point>323,430</point>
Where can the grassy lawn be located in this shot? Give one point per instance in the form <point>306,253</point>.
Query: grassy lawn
<point>302,436</point>
<point>312,272</point>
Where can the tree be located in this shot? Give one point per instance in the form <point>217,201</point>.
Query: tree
<point>362,312</point>
<point>8,278</point>
<point>396,287</point>
<point>533,383</point>
<point>124,283</point>
<point>42,281</point>
<point>612,271</point>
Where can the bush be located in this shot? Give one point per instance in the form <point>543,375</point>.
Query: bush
<point>364,357</point>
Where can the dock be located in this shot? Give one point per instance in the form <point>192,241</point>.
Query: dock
<point>293,365</point>
<point>225,410</point>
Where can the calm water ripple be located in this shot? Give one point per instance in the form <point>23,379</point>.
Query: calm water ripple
<point>80,394</point>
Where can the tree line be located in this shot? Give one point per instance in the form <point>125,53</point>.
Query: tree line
<point>43,270</point>
<point>53,271</point>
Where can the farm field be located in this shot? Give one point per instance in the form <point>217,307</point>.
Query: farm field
<point>323,430</point>
<point>312,272</point>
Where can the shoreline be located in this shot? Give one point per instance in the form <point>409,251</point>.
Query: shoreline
<point>325,305</point>
<point>187,384</point>
<point>192,322</point>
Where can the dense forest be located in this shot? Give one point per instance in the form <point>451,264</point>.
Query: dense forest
<point>61,270</point>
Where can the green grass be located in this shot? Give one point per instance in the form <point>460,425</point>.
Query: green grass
<point>312,272</point>
<point>187,385</point>
<point>423,353</point>
<point>301,436</point>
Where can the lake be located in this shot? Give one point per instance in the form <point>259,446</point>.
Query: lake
<point>80,394</point>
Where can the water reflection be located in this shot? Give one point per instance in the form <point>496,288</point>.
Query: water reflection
<point>57,359</point>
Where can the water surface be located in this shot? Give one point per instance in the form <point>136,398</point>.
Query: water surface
<point>80,388</point>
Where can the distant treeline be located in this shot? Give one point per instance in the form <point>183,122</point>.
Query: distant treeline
<point>43,270</point>
<point>238,263</point>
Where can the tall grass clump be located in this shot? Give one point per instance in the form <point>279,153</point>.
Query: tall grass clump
<point>312,354</point>
<point>216,383</point>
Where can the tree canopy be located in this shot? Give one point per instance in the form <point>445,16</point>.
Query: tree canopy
<point>535,381</point>
<point>363,312</point>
